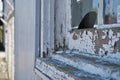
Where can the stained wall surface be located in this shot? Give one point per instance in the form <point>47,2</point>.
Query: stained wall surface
<point>96,41</point>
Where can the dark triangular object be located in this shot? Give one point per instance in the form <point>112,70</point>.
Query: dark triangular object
<point>2,47</point>
<point>1,23</point>
<point>88,21</point>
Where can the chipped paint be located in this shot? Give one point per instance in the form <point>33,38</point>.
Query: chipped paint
<point>110,33</point>
<point>105,34</point>
<point>95,41</point>
<point>82,42</point>
<point>118,34</point>
<point>53,69</point>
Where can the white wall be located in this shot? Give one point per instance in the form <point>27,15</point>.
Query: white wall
<point>24,39</point>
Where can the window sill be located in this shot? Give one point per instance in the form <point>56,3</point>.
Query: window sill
<point>74,66</point>
<point>107,26</point>
<point>56,70</point>
<point>102,26</point>
<point>40,74</point>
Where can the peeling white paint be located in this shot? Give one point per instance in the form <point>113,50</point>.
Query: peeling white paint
<point>108,48</point>
<point>110,33</point>
<point>84,43</point>
<point>95,35</point>
<point>52,71</point>
<point>112,39</point>
<point>118,35</point>
<point>101,52</point>
<point>105,34</point>
<point>59,52</point>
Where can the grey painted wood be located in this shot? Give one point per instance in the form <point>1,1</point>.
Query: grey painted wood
<point>38,28</point>
<point>47,28</point>
<point>24,39</point>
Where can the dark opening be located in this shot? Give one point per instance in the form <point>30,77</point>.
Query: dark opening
<point>88,21</point>
<point>1,36</point>
<point>79,8</point>
<point>1,27</point>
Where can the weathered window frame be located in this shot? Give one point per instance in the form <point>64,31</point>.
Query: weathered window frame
<point>40,22</point>
<point>100,18</point>
<point>44,9</point>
